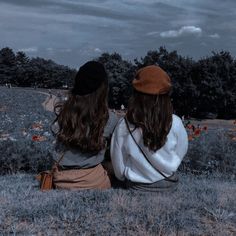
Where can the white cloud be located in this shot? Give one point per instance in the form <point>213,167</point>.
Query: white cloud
<point>169,34</point>
<point>152,33</point>
<point>215,36</point>
<point>51,50</point>
<point>98,50</point>
<point>184,30</point>
<point>29,50</point>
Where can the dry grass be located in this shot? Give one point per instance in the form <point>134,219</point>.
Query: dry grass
<point>203,205</point>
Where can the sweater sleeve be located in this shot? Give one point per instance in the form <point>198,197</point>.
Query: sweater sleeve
<point>170,163</point>
<point>111,124</point>
<point>182,139</point>
<point>117,156</point>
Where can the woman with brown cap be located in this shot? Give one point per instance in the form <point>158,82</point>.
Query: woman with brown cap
<point>82,124</point>
<point>149,144</point>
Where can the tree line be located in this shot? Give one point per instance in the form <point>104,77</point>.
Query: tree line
<point>20,70</point>
<point>204,88</point>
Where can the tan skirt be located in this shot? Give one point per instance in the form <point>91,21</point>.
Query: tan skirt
<point>92,178</point>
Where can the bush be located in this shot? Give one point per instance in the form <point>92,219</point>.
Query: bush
<point>24,156</point>
<point>19,152</point>
<point>211,152</point>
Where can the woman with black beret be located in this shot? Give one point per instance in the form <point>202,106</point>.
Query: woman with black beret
<point>81,127</point>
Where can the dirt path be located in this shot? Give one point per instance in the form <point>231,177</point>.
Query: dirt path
<point>49,102</point>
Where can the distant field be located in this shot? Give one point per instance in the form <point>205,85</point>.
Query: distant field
<point>216,123</point>
<point>25,134</point>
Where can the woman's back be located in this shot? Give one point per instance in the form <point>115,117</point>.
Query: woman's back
<point>149,144</point>
<point>83,122</point>
<point>75,157</point>
<point>136,168</point>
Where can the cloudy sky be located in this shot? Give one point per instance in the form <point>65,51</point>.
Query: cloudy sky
<point>74,31</point>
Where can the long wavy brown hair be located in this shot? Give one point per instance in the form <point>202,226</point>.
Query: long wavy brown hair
<point>81,120</point>
<point>153,114</point>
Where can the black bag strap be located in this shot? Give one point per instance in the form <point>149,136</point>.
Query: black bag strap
<point>166,178</point>
<point>56,165</point>
<point>59,160</point>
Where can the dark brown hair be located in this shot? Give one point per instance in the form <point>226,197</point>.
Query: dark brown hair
<point>81,120</point>
<point>153,114</point>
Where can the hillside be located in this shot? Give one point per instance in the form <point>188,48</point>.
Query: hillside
<point>203,204</point>
<point>25,133</point>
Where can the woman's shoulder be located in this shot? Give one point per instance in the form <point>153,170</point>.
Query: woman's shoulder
<point>176,119</point>
<point>121,128</point>
<point>111,123</point>
<point>121,122</point>
<point>112,116</point>
<point>176,122</point>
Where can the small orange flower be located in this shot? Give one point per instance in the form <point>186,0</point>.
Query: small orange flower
<point>189,126</point>
<point>35,137</point>
<point>38,138</point>
<point>197,132</point>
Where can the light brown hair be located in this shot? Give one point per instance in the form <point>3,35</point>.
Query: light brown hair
<point>153,114</point>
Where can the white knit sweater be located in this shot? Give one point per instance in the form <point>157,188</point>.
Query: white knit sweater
<point>129,162</point>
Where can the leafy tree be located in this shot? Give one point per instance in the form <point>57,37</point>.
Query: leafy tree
<point>7,65</point>
<point>203,89</point>
<point>21,58</point>
<point>215,78</point>
<point>120,74</point>
<point>19,70</point>
<point>7,57</point>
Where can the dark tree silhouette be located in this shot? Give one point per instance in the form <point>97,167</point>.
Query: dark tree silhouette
<point>203,89</point>
<point>120,74</point>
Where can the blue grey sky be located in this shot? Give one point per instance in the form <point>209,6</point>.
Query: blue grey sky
<point>73,31</point>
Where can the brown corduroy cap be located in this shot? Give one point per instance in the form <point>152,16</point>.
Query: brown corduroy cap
<point>152,80</point>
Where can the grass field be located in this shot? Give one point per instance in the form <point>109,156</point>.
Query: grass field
<point>203,204</point>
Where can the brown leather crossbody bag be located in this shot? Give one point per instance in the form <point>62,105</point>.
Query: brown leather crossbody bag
<point>45,178</point>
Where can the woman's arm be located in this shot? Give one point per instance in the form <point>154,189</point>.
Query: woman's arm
<point>182,139</point>
<point>164,159</point>
<point>117,156</point>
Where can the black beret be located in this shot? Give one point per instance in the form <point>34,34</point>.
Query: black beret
<point>89,78</point>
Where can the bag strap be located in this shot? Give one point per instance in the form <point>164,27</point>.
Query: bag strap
<point>56,165</point>
<point>166,178</point>
<point>61,157</point>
